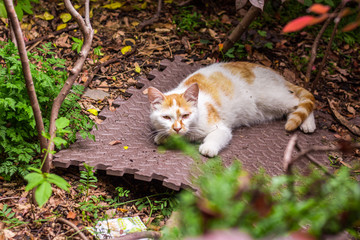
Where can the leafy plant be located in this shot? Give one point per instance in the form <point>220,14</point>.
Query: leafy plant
<point>121,192</point>
<point>42,181</point>
<point>87,180</point>
<point>19,146</point>
<point>8,217</point>
<point>77,45</point>
<point>188,20</point>
<point>165,205</point>
<point>21,7</point>
<point>264,206</point>
<point>97,51</point>
<point>238,51</point>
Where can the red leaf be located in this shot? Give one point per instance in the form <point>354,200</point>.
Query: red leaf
<point>351,26</point>
<point>319,19</point>
<point>298,24</point>
<point>319,8</point>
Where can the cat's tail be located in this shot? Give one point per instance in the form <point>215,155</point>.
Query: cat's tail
<point>304,109</point>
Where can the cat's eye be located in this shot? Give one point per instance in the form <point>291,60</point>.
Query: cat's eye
<point>185,116</point>
<point>166,117</point>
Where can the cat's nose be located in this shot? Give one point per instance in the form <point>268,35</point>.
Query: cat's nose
<point>177,129</point>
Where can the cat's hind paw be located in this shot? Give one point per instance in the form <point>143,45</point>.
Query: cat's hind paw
<point>308,126</point>
<point>208,150</point>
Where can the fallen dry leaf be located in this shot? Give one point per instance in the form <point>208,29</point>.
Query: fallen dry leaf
<point>115,142</point>
<point>71,215</point>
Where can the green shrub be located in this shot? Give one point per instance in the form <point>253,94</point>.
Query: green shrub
<point>264,206</point>
<point>19,144</point>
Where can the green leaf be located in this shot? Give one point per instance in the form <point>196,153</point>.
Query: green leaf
<point>58,141</point>
<point>19,12</point>
<point>33,179</point>
<point>43,193</point>
<point>3,12</point>
<point>308,3</point>
<point>46,135</point>
<point>58,181</point>
<point>62,123</point>
<point>35,170</point>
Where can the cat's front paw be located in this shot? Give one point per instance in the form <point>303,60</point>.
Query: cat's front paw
<point>209,149</point>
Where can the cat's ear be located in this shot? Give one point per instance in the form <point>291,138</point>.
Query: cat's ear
<point>155,96</point>
<point>191,94</point>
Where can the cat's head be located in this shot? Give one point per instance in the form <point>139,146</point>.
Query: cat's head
<point>173,113</point>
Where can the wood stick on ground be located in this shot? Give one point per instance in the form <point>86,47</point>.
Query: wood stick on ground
<point>51,35</point>
<point>314,161</point>
<point>241,28</point>
<point>288,151</point>
<point>114,60</point>
<point>342,120</point>
<point>140,235</point>
<point>78,231</point>
<point>154,19</point>
<point>97,68</point>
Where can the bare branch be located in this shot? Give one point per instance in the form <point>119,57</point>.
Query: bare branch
<point>327,51</point>
<point>342,120</point>
<point>88,33</point>
<point>288,151</point>
<point>240,28</point>
<point>51,35</point>
<point>78,231</point>
<point>314,161</point>
<point>154,19</point>
<point>140,235</point>
<point>314,51</point>
<point>26,70</point>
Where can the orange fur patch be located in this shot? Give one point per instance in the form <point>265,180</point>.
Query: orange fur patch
<point>217,82</point>
<point>213,115</point>
<point>245,69</point>
<point>306,106</point>
<point>178,99</point>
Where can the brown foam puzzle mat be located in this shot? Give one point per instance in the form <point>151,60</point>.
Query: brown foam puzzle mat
<point>260,146</point>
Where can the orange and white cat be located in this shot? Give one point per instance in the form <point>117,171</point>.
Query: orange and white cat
<point>212,101</point>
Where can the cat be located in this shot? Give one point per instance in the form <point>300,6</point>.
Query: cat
<point>209,103</point>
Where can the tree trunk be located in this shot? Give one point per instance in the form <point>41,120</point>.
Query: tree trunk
<point>26,70</point>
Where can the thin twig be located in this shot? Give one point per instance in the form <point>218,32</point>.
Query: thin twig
<point>154,19</point>
<point>288,151</point>
<point>78,231</point>
<point>114,60</point>
<point>139,235</point>
<point>97,68</point>
<point>7,198</point>
<point>314,51</point>
<point>88,33</point>
<point>343,121</point>
<point>314,161</point>
<point>51,35</point>
<point>327,51</point>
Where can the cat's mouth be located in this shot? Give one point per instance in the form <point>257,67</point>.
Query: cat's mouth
<point>180,132</point>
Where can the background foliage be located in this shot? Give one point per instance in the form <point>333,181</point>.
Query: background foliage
<point>18,136</point>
